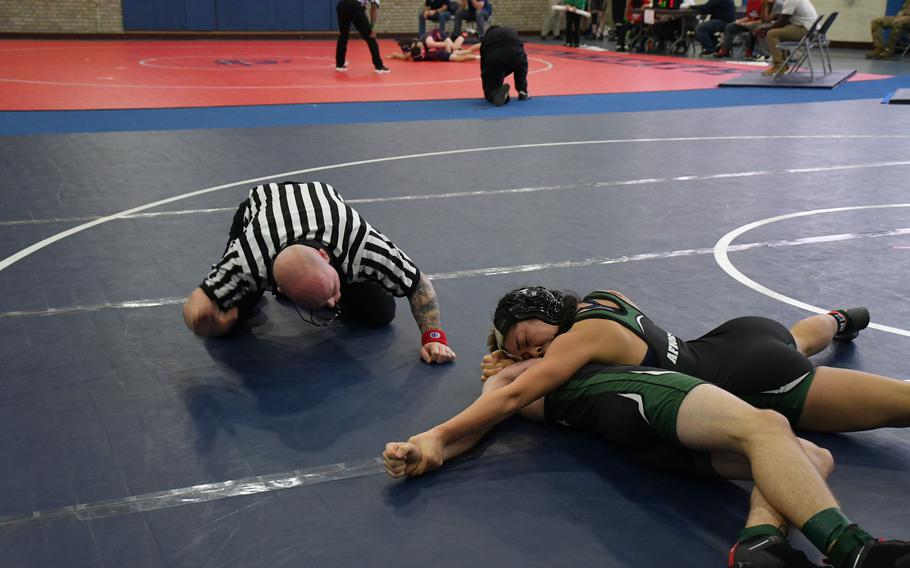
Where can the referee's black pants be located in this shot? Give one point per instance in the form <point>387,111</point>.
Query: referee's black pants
<point>351,12</point>
<point>498,63</point>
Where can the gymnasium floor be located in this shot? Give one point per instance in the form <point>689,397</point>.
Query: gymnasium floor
<point>127,441</point>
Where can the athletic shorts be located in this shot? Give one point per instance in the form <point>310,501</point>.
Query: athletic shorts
<point>633,407</point>
<point>756,359</point>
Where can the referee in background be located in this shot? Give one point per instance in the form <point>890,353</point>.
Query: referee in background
<point>502,53</point>
<point>354,12</point>
<point>302,241</point>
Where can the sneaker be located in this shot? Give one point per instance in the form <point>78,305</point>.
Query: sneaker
<point>765,551</point>
<point>850,321</point>
<point>382,69</point>
<point>747,54</point>
<point>523,95</point>
<point>722,52</point>
<point>879,554</point>
<point>502,95</point>
<point>620,49</point>
<point>342,68</point>
<point>776,70</point>
<point>874,54</point>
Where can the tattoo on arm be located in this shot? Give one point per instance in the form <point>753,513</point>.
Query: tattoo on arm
<point>424,305</point>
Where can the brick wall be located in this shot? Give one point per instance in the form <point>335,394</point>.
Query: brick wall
<point>396,16</point>
<point>63,16</point>
<point>400,16</point>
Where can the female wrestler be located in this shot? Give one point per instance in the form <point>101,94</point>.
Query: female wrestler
<point>657,413</point>
<point>436,46</point>
<point>755,358</point>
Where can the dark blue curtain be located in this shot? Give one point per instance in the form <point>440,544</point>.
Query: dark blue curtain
<point>229,15</point>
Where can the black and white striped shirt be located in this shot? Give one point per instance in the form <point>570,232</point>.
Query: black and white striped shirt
<point>278,214</point>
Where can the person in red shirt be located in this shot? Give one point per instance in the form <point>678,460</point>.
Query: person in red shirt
<point>756,13</point>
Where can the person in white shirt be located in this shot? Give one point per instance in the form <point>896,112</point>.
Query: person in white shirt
<point>793,22</point>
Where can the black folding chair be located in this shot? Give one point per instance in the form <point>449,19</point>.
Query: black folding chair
<point>821,40</point>
<point>799,53</point>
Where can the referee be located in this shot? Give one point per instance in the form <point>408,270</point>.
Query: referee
<point>354,12</point>
<point>302,241</point>
<point>502,54</point>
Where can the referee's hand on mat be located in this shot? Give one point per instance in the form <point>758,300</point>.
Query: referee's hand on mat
<point>204,318</point>
<point>434,352</point>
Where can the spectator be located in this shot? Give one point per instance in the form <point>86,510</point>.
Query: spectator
<point>896,24</point>
<point>793,22</point>
<point>721,12</point>
<point>620,27</point>
<point>573,21</point>
<point>600,19</point>
<point>478,11</point>
<point>554,21</point>
<point>435,11</point>
<point>756,13</point>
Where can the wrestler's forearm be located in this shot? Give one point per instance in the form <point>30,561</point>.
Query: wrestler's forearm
<point>424,305</point>
<point>463,431</point>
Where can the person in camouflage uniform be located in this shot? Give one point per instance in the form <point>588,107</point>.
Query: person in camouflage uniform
<point>896,23</point>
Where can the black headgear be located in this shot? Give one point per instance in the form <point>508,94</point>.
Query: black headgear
<point>525,303</point>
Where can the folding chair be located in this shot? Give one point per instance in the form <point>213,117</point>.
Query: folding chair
<point>800,52</point>
<point>906,38</point>
<point>821,40</point>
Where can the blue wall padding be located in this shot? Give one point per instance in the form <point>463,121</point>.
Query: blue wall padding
<point>229,15</point>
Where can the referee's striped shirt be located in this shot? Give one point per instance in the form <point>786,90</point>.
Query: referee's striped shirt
<point>282,213</point>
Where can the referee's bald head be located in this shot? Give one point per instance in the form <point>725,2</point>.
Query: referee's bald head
<point>305,275</point>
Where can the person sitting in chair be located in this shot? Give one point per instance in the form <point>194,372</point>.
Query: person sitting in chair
<point>722,12</point>
<point>435,11</point>
<point>896,24</point>
<point>792,24</point>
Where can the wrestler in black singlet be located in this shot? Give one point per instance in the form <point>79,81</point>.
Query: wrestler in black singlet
<point>754,358</point>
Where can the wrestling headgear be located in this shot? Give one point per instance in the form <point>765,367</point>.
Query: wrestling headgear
<point>525,303</point>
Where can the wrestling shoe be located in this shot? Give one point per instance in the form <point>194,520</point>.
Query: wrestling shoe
<point>850,321</point>
<point>502,95</point>
<point>879,554</point>
<point>766,551</point>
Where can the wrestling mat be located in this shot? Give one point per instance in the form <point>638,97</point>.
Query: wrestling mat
<point>126,74</point>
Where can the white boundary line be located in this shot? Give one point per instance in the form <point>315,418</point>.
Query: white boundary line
<point>723,260</point>
<point>14,258</point>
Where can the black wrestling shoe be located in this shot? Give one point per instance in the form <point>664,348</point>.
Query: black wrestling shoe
<point>850,321</point>
<point>879,554</point>
<point>765,551</point>
<point>502,95</point>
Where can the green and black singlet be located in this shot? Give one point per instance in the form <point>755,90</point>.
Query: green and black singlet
<point>754,358</point>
